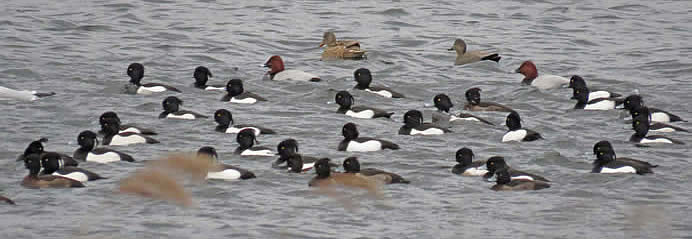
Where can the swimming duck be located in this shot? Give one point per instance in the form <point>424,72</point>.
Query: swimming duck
<point>224,119</point>
<point>202,75</point>
<point>641,125</point>
<point>516,132</point>
<point>286,149</point>
<point>585,103</point>
<point>635,101</point>
<point>507,183</point>
<point>353,143</point>
<point>465,57</point>
<point>543,81</point>
<point>87,150</point>
<point>171,110</point>
<point>473,98</point>
<point>607,162</point>
<point>497,163</point>
<point>222,171</point>
<point>578,82</point>
<point>278,73</point>
<point>36,181</point>
<point>340,49</point>
<point>444,104</point>
<point>237,94</point>
<point>36,147</point>
<point>345,101</point>
<point>413,125</point>
<point>23,95</point>
<point>466,166</point>
<point>111,136</point>
<point>124,127</point>
<point>136,72</point>
<point>53,165</point>
<point>325,178</point>
<point>351,165</point>
<point>364,78</point>
<point>246,141</point>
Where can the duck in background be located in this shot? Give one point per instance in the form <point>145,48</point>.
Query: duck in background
<point>246,141</point>
<point>413,125</point>
<point>345,101</point>
<point>237,94</point>
<point>444,104</point>
<point>516,132</point>
<point>497,163</point>
<point>202,75</point>
<point>224,119</point>
<point>543,81</point>
<point>473,97</point>
<point>136,72</point>
<point>23,95</point>
<point>124,127</point>
<point>363,79</point>
<point>222,171</point>
<point>353,143</point>
<point>466,57</point>
<point>466,166</point>
<point>287,148</point>
<point>110,129</point>
<point>171,110</point>
<point>344,49</point>
<point>278,73</point>
<point>655,126</point>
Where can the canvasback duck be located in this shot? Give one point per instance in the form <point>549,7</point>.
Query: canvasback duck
<point>23,95</point>
<point>278,73</point>
<point>465,57</point>
<point>543,82</point>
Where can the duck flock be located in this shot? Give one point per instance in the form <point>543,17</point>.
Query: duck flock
<point>58,170</point>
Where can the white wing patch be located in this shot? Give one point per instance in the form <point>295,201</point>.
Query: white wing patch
<point>453,118</point>
<point>381,92</point>
<point>601,105</point>
<point>77,176</point>
<point>148,90</point>
<point>522,177</point>
<point>263,152</point>
<point>365,114</point>
<point>429,131</point>
<point>660,117</point>
<point>475,172</point>
<point>132,139</point>
<point>625,169</point>
<point>130,129</point>
<point>516,135</point>
<point>367,146</point>
<point>664,130</point>
<point>599,94</point>
<point>102,158</point>
<point>248,100</point>
<point>235,130</point>
<point>186,116</point>
<point>212,88</point>
<point>656,141</point>
<point>227,174</point>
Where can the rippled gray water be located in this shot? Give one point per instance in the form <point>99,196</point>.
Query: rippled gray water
<point>80,49</point>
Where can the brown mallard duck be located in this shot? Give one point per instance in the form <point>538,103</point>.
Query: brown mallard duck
<point>344,49</point>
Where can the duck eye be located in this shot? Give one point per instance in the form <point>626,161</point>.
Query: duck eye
<point>438,99</point>
<point>577,92</point>
<point>600,153</point>
<point>492,163</point>
<point>282,147</point>
<point>636,122</point>
<point>627,102</point>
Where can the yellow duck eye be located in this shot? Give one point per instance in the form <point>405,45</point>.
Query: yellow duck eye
<point>601,153</point>
<point>438,99</point>
<point>282,147</point>
<point>577,92</point>
<point>637,122</point>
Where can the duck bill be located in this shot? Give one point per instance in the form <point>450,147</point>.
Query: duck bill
<point>322,44</point>
<point>451,49</point>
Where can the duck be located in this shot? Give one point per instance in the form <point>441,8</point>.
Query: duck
<point>543,81</point>
<point>345,101</point>
<point>124,127</point>
<point>607,162</point>
<point>202,75</point>
<point>466,57</point>
<point>136,72</point>
<point>236,93</point>
<point>224,119</point>
<point>246,141</point>
<point>340,49</point>
<point>586,103</point>
<point>87,150</point>
<point>640,124</point>
<point>36,181</point>
<point>655,126</point>
<point>657,115</point>
<point>466,166</point>
<point>53,165</point>
<point>326,178</point>
<point>413,125</point>
<point>351,165</point>
<point>516,132</point>
<point>363,79</point>
<point>496,163</point>
<point>278,73</point>
<point>288,147</point>
<point>353,143</point>
<point>473,98</point>
<point>577,82</point>
<point>222,171</point>
<point>506,183</point>
<point>111,136</point>
<point>22,95</point>
<point>443,104</point>
<point>36,147</point>
<point>171,110</point>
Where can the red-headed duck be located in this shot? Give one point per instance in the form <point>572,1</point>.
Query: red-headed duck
<point>278,73</point>
<point>543,81</point>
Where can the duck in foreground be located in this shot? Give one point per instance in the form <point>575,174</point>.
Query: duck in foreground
<point>288,148</point>
<point>53,165</point>
<point>351,165</point>
<point>516,132</point>
<point>87,150</point>
<point>655,126</point>
<point>466,166</point>
<point>136,72</point>
<point>543,81</point>
<point>633,102</point>
<point>36,181</point>
<point>345,101</point>
<point>202,75</point>
<point>641,125</point>
<point>344,49</point>
<point>466,57</point>
<point>326,178</point>
<point>607,162</point>
<point>581,94</point>
<point>222,171</point>
<point>506,183</point>
<point>36,147</point>
<point>413,125</point>
<point>278,73</point>
<point>363,79</point>
<point>246,141</point>
<point>577,82</point>
<point>236,93</point>
<point>224,119</point>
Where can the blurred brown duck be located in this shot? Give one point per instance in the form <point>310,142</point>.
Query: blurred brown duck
<point>465,57</point>
<point>344,49</point>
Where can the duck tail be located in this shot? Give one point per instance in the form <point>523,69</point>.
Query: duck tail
<point>493,57</point>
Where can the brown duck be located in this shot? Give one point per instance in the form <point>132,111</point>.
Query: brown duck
<point>34,181</point>
<point>465,57</point>
<point>474,103</point>
<point>344,49</point>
